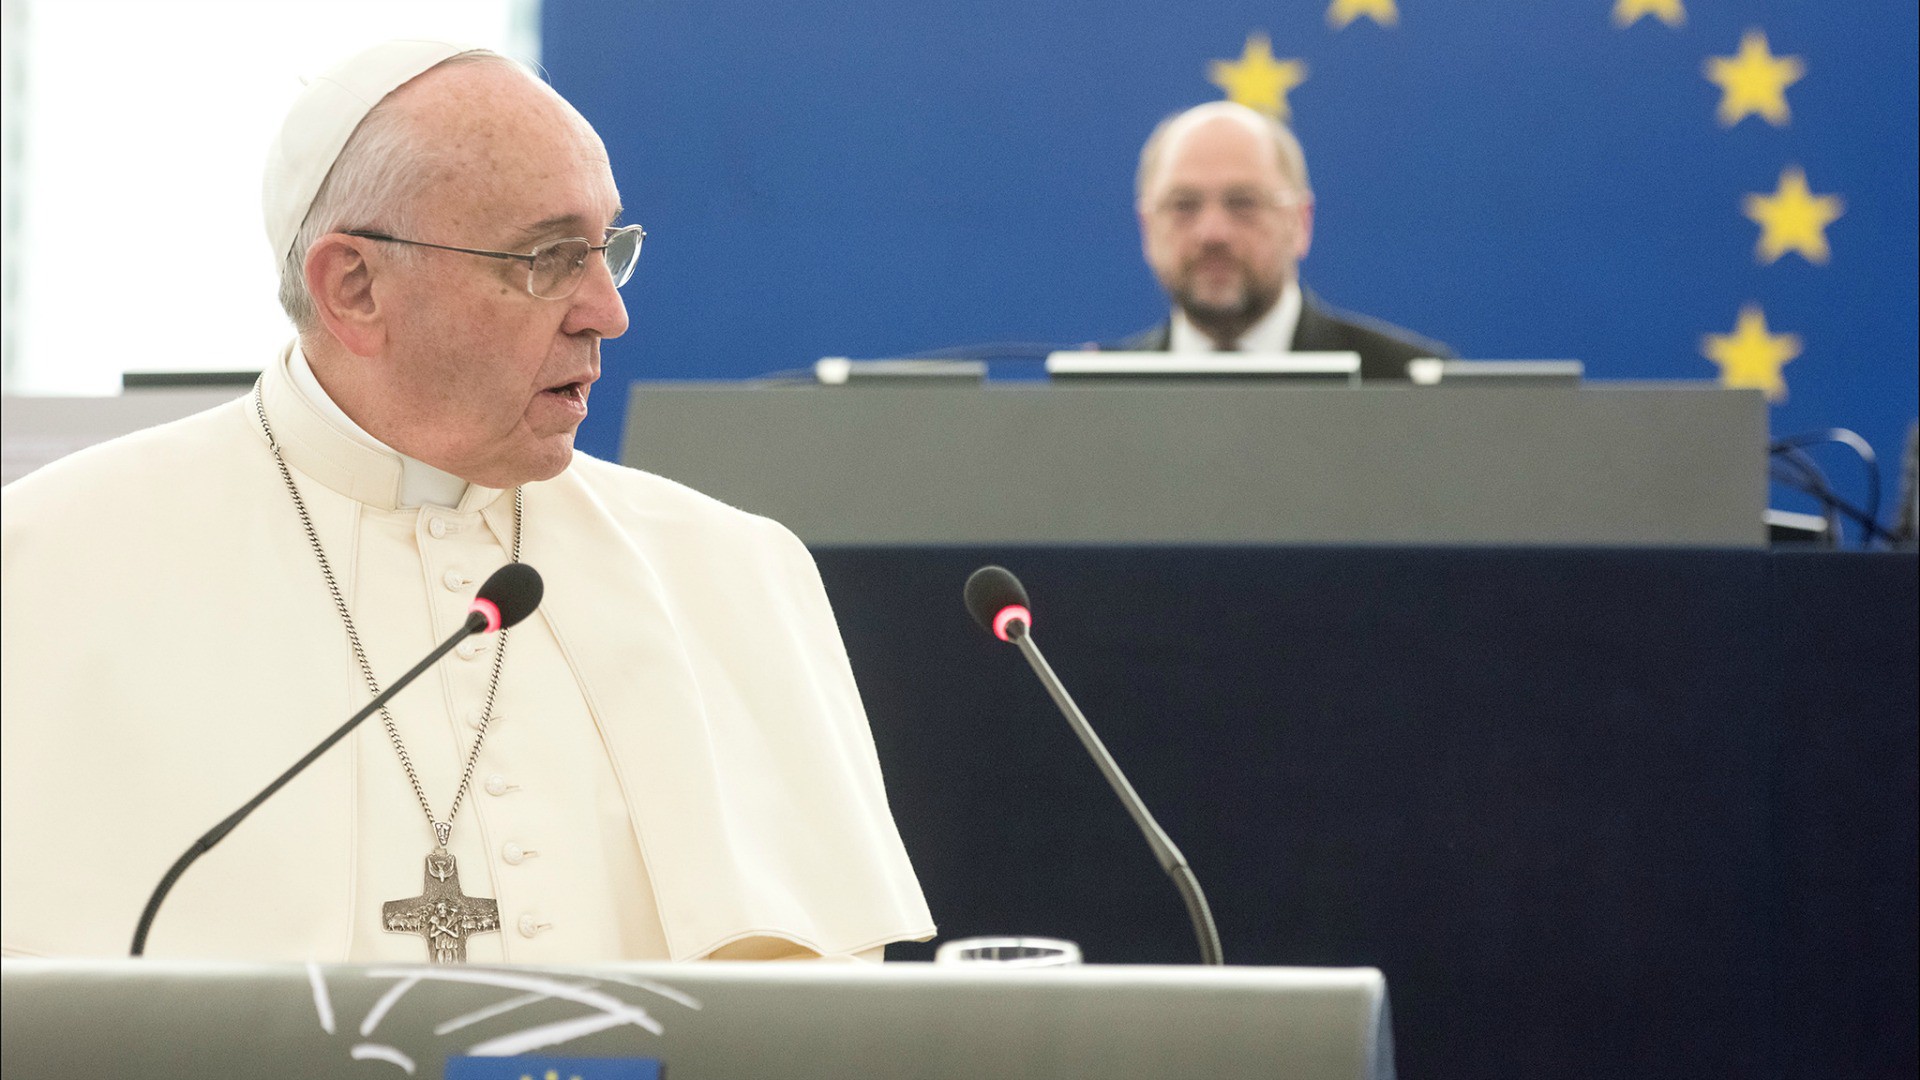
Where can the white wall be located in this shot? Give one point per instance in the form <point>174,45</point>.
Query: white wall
<point>136,132</point>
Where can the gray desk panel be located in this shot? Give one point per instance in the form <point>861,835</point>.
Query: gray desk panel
<point>1223,462</point>
<point>797,1021</point>
<point>39,430</point>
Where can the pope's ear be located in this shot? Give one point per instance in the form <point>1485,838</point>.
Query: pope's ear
<point>340,271</point>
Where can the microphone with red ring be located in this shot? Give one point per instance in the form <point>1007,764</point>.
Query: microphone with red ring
<point>505,598</point>
<point>999,604</point>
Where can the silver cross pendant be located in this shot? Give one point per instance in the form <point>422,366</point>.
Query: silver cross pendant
<point>441,913</point>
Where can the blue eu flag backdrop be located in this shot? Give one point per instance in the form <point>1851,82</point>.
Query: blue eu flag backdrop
<point>1663,189</point>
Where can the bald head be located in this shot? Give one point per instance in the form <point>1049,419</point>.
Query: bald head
<point>1285,148</point>
<point>468,113</point>
<point>465,121</point>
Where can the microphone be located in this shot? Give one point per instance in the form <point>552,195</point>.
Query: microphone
<point>505,598</point>
<point>999,604</point>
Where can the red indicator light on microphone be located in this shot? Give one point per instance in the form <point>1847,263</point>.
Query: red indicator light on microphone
<point>1008,614</point>
<point>489,609</point>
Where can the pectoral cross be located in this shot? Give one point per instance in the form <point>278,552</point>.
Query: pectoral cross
<point>441,913</point>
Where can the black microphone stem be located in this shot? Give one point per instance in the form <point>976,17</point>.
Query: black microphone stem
<point>476,622</point>
<point>1174,863</point>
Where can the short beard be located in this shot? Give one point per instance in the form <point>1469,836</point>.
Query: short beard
<point>1225,325</point>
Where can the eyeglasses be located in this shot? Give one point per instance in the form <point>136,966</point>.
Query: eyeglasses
<point>554,269</point>
<point>1241,204</point>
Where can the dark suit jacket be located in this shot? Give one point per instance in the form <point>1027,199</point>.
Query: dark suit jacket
<point>1384,349</point>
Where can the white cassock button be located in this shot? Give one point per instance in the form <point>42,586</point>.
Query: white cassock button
<point>455,580</point>
<point>497,785</point>
<point>530,926</point>
<point>467,650</point>
<point>515,854</point>
<point>437,527</point>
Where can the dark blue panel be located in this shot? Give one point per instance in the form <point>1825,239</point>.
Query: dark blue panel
<point>1850,758</point>
<point>1581,807</point>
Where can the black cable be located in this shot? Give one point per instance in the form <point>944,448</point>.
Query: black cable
<point>1800,480</point>
<point>1811,481</point>
<point>1805,477</point>
<point>1852,441</point>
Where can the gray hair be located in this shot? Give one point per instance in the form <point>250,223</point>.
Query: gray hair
<point>1292,160</point>
<point>374,183</point>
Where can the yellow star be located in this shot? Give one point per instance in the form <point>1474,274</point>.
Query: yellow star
<point>1342,12</point>
<point>1750,358</point>
<point>1628,12</point>
<point>1754,81</point>
<point>1793,218</point>
<point>1257,80</point>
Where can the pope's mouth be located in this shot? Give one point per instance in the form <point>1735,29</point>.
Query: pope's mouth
<point>573,391</point>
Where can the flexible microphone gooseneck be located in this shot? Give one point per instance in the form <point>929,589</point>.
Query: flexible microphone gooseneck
<point>999,603</point>
<point>507,597</point>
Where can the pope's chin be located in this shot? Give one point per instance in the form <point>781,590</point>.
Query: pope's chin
<point>543,450</point>
<point>548,458</point>
<point>554,455</point>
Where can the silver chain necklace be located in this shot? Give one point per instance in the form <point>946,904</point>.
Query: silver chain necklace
<point>442,914</point>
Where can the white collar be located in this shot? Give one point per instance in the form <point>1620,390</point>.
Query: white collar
<point>420,483</point>
<point>1272,334</point>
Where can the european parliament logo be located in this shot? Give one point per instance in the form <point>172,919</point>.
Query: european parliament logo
<point>493,1023</point>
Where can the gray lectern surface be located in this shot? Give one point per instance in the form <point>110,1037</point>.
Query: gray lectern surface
<point>162,1020</point>
<point>1609,464</point>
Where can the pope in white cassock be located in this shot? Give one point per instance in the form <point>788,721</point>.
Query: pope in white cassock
<point>668,759</point>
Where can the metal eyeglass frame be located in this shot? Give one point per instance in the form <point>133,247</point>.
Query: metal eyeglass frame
<point>531,257</point>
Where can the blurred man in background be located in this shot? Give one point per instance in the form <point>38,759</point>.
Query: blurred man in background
<point>1226,215</point>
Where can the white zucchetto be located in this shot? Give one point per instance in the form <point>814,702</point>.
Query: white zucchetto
<point>321,121</point>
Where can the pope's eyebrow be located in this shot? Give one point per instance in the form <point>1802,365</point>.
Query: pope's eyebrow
<point>560,225</point>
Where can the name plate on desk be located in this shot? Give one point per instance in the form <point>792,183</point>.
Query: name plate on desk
<point>1139,462</point>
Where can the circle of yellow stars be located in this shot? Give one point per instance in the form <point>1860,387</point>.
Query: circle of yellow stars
<point>1753,82</point>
